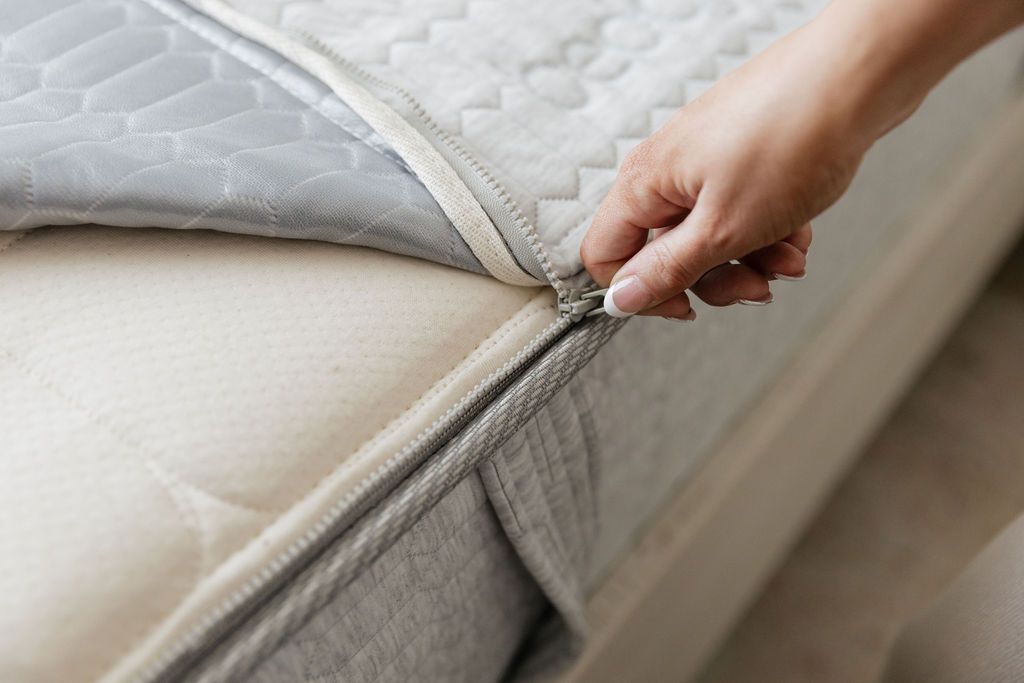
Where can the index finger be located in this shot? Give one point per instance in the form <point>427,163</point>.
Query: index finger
<point>632,208</point>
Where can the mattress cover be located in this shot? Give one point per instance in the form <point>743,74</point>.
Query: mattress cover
<point>546,98</point>
<point>236,405</point>
<point>500,127</point>
<point>145,113</point>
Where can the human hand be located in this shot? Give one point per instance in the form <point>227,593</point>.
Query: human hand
<point>730,183</point>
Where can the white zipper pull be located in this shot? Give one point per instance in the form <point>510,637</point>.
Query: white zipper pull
<point>578,305</point>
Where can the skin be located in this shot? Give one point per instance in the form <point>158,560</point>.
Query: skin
<point>719,200</point>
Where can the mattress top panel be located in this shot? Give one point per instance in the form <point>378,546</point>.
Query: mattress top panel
<point>178,407</point>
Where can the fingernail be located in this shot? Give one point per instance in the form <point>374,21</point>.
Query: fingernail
<point>688,318</point>
<point>789,278</point>
<point>757,302</point>
<point>626,297</point>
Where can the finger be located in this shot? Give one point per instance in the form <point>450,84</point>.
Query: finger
<point>677,308</point>
<point>729,284</point>
<point>672,263</point>
<point>781,261</point>
<point>632,208</point>
<point>801,238</point>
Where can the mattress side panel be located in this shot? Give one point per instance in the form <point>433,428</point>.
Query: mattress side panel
<point>145,113</point>
<point>448,601</point>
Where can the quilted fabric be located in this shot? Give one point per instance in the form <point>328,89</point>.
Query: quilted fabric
<point>143,113</point>
<point>549,96</point>
<point>448,601</point>
<point>179,407</point>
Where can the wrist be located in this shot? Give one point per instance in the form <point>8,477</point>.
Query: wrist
<point>886,56</point>
<point>875,79</point>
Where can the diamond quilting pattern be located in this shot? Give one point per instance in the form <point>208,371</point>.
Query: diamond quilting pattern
<point>144,113</point>
<point>549,95</point>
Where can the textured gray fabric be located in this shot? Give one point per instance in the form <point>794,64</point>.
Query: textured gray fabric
<point>542,483</point>
<point>448,601</point>
<point>663,397</point>
<point>145,113</point>
<point>543,492</point>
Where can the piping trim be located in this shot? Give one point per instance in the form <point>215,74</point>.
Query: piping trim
<point>451,193</point>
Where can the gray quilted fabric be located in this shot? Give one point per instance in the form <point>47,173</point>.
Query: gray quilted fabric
<point>145,113</point>
<point>457,593</point>
<point>448,601</point>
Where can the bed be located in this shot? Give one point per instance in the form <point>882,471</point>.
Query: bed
<point>299,382</point>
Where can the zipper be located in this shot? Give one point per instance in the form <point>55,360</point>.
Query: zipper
<point>574,304</point>
<point>577,304</point>
<point>317,45</point>
<point>178,659</point>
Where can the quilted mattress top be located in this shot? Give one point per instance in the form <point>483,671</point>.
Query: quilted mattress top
<point>178,409</point>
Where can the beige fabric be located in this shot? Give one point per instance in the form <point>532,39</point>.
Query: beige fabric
<point>974,631</point>
<point>177,408</point>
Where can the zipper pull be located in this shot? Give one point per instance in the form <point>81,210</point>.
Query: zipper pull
<point>578,305</point>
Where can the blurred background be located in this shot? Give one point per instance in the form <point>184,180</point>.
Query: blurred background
<point>936,485</point>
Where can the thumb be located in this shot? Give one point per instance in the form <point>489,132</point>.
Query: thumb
<point>667,266</point>
<point>634,206</point>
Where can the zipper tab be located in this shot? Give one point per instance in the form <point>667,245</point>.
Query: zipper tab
<point>577,305</point>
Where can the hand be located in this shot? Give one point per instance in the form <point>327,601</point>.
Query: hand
<point>735,175</point>
<point>738,174</point>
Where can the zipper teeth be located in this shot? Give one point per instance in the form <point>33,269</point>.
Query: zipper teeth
<point>213,625</point>
<point>518,218</point>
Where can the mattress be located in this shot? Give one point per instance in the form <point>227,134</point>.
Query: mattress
<point>392,447</point>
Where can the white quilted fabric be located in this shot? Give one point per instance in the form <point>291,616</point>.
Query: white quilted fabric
<point>176,408</point>
<point>548,95</point>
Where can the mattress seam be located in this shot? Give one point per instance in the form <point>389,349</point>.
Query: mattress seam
<point>355,457</point>
<point>462,454</point>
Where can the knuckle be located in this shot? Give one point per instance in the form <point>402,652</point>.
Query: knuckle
<point>670,273</point>
<point>722,238</point>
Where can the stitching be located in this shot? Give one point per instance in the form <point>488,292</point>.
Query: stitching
<point>231,48</point>
<point>362,452</point>
<point>407,558</point>
<point>185,508</point>
<point>126,439</point>
<point>518,219</point>
<point>428,590</point>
